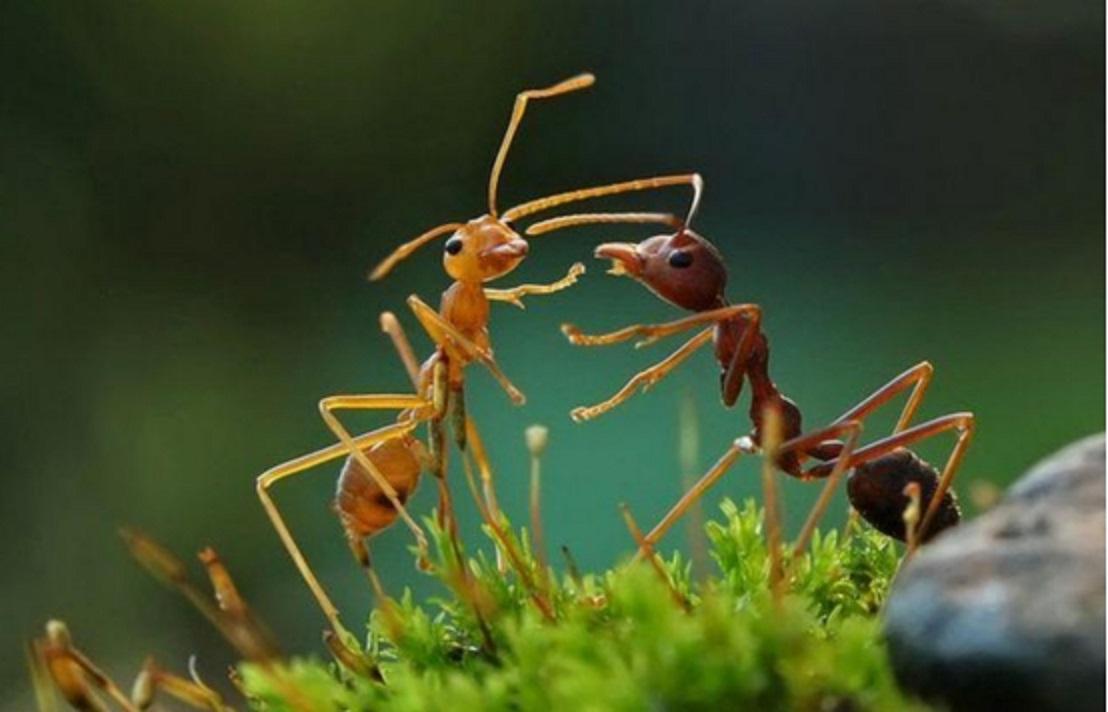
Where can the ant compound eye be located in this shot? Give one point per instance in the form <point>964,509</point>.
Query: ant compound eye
<point>680,259</point>
<point>453,245</point>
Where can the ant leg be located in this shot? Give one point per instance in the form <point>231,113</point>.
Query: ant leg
<point>918,377</point>
<point>693,494</point>
<point>741,445</point>
<point>515,295</point>
<point>391,326</point>
<point>581,81</point>
<point>480,456</point>
<point>328,405</point>
<point>552,201</point>
<point>564,221</point>
<point>654,332</point>
<point>298,465</point>
<point>803,443</point>
<point>444,334</point>
<point>645,378</point>
<point>733,376</point>
<point>963,423</point>
<point>409,247</point>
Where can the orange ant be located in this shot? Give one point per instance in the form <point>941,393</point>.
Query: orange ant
<point>383,467</point>
<point>688,271</point>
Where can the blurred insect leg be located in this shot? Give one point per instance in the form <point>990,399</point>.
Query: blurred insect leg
<point>444,334</point>
<point>653,332</point>
<point>405,250</point>
<point>852,429</point>
<point>514,295</point>
<point>480,456</point>
<point>296,466</point>
<point>552,201</point>
<point>918,377</point>
<point>691,496</point>
<point>391,326</point>
<point>644,379</point>
<point>579,81</point>
<point>574,220</point>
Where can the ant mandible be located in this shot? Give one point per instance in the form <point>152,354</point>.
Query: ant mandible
<point>688,271</point>
<point>383,466</point>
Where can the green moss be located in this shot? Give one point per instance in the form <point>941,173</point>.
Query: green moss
<point>621,641</point>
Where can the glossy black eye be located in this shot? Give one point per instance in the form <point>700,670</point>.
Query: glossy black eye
<point>680,259</point>
<point>453,245</point>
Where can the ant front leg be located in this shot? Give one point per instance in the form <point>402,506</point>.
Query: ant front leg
<point>654,332</point>
<point>644,379</point>
<point>446,336</point>
<point>515,295</point>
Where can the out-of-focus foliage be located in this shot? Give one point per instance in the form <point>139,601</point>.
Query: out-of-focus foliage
<point>620,641</point>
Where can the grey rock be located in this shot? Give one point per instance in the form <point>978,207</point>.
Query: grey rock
<point>1007,612</point>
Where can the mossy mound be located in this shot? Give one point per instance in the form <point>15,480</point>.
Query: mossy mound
<point>631,638</point>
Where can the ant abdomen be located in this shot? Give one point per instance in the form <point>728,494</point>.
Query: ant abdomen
<point>361,504</point>
<point>876,490</point>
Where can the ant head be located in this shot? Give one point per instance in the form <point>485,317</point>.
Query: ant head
<point>484,248</point>
<point>684,269</point>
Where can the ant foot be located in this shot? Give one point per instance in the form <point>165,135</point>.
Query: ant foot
<point>581,413</point>
<point>746,445</point>
<point>574,335</point>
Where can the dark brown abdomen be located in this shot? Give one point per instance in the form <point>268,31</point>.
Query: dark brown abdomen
<point>876,490</point>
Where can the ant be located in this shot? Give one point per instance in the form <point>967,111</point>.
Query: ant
<point>383,467</point>
<point>686,270</point>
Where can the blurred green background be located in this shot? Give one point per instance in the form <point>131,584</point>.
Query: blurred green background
<point>192,192</point>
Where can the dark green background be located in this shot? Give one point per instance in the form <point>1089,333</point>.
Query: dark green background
<point>192,192</point>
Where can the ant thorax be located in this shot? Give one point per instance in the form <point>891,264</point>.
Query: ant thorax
<point>466,307</point>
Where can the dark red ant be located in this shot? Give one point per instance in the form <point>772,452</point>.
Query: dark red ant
<point>686,270</point>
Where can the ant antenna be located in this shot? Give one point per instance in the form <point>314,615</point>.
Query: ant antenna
<point>409,247</point>
<point>581,81</point>
<point>698,189</point>
<point>693,180</point>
